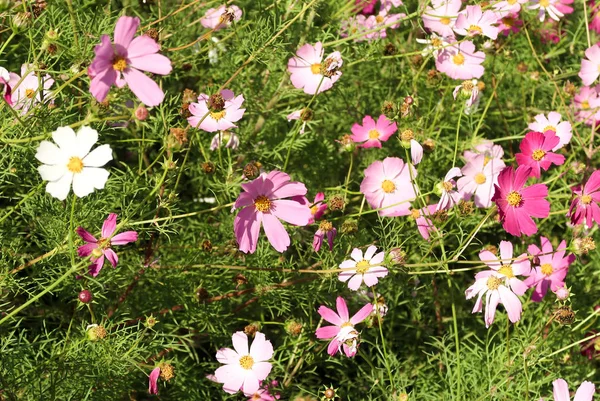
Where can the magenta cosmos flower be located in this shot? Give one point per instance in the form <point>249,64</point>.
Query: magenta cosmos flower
<point>123,61</point>
<point>343,334</point>
<point>473,21</point>
<point>263,202</point>
<point>6,91</point>
<point>510,23</point>
<point>221,17</point>
<point>536,152</point>
<point>28,89</point>
<point>326,229</point>
<point>584,208</point>
<point>310,72</point>
<point>517,203</point>
<point>594,8</point>
<point>388,186</point>
<point>590,67</point>
<point>99,248</point>
<point>318,208</point>
<point>359,269</point>
<point>218,112</point>
<point>562,129</point>
<point>479,176</point>
<point>372,133</point>
<point>585,392</point>
<point>244,368</point>
<point>551,270</point>
<point>461,61</point>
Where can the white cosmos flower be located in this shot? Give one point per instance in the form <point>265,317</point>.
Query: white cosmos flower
<point>72,162</point>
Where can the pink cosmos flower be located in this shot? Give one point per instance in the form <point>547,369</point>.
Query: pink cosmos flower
<point>122,63</point>
<point>486,148</point>
<point>584,208</point>
<point>517,203</point>
<point>473,21</point>
<point>547,6</point>
<point>372,133</point>
<point>479,176</point>
<point>6,91</point>
<point>326,229</point>
<point>423,220</point>
<point>508,267</point>
<point>551,32</point>
<point>469,90</point>
<point>450,196</point>
<point>595,16</point>
<point>227,139</point>
<point>382,21</point>
<point>26,91</point>
<point>585,392</point>
<point>354,25</point>
<point>99,248</point>
<point>510,23</point>
<point>310,72</point>
<point>244,369</point>
<point>552,123</point>
<point>435,44</point>
<point>318,207</point>
<point>441,17</point>
<point>563,6</point>
<point>297,115</point>
<point>263,393</point>
<point>388,186</point>
<point>343,334</point>
<point>461,61</point>
<point>587,105</point>
<point>221,17</point>
<point>536,152</point>
<point>365,269</point>
<point>551,269</point>
<point>367,7</point>
<point>153,381</point>
<point>218,112</point>
<point>590,67</point>
<point>508,6</point>
<point>263,202</point>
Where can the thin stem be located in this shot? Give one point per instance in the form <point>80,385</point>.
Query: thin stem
<point>71,247</point>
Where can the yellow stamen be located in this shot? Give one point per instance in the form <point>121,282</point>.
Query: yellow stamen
<point>379,19</point>
<point>217,115</point>
<point>493,283</point>
<point>447,186</point>
<point>388,186</point>
<point>445,20</point>
<point>119,63</point>
<point>458,59</point>
<point>586,199</point>
<point>407,135</point>
<point>29,93</point>
<point>363,266</point>
<point>373,134</point>
<point>75,165</point>
<point>544,3</point>
<point>315,68</point>
<point>262,204</point>
<point>475,28</point>
<point>507,270</point>
<point>480,178</point>
<point>514,198</point>
<point>247,362</point>
<point>415,213</point>
<point>547,269</point>
<point>538,155</point>
<point>325,226</point>
<point>585,105</point>
<point>550,128</point>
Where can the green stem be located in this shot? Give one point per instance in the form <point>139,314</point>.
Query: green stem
<point>12,35</point>
<point>380,323</point>
<point>71,247</point>
<point>462,109</point>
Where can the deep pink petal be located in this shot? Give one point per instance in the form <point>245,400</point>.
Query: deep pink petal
<point>109,225</point>
<point>362,314</point>
<point>330,316</point>
<point>124,238</point>
<point>85,235</point>
<point>86,250</point>
<point>327,332</point>
<point>111,256</point>
<point>153,381</point>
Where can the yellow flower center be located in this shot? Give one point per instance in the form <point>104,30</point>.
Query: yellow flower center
<point>247,362</point>
<point>345,324</point>
<point>379,19</point>
<point>29,93</point>
<point>480,178</point>
<point>75,165</point>
<point>585,105</point>
<point>445,20</point>
<point>217,115</point>
<point>415,213</point>
<point>104,243</point>
<point>507,270</point>
<point>315,68</point>
<point>493,283</point>
<point>550,128</point>
<point>544,3</point>
<point>325,226</point>
<point>373,134</point>
<point>314,209</point>
<point>468,86</point>
<point>538,155</point>
<point>447,186</point>
<point>363,266</point>
<point>407,135</point>
<point>475,28</point>
<point>436,42</point>
<point>96,253</point>
<point>458,59</point>
<point>586,199</point>
<point>547,269</point>
<point>514,198</point>
<point>511,2</point>
<point>262,204</point>
<point>119,63</point>
<point>486,160</point>
<point>388,186</point>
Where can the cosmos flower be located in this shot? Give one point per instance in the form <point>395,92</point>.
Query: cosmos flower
<point>562,129</point>
<point>25,90</point>
<point>508,6</point>
<point>326,229</point>
<point>473,21</point>
<point>225,138</point>
<point>221,17</point>
<point>584,207</point>
<point>550,270</point>
<point>590,67</point>
<point>587,105</point>
<point>365,268</point>
<point>218,112</point>
<point>450,196</point>
<point>441,17</point>
<point>370,134</point>
<point>510,23</point>
<point>461,61</point>
<point>547,6</point>
<point>536,152</point>
<point>585,392</point>
<point>6,91</point>
<point>153,381</point>
<point>479,176</point>
<point>310,72</point>
<point>423,220</point>
<point>470,91</point>
<point>508,266</point>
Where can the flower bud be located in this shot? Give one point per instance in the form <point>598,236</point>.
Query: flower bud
<point>95,332</point>
<point>208,167</point>
<point>141,113</point>
<point>293,328</point>
<point>562,294</point>
<point>252,328</point>
<point>564,315</point>
<point>85,296</point>
<point>151,321</point>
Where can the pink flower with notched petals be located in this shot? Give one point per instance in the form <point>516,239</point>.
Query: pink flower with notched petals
<point>461,61</point>
<point>221,17</point>
<point>244,368</point>
<point>508,267</point>
<point>479,176</point>
<point>518,203</point>
<point>587,105</point>
<point>595,16</point>
<point>551,270</point>
<point>28,89</point>
<point>450,196</point>
<point>343,334</point>
<point>326,229</point>
<point>584,208</point>
<point>473,21</point>
<point>218,112</point>
<point>263,393</point>
<point>509,23</point>
<point>441,17</point>
<point>388,186</point>
<point>590,67</point>
<point>423,220</point>
<point>585,392</point>
<point>367,268</point>
<point>122,62</point>
<point>562,129</point>
<point>372,133</point>
<point>99,248</point>
<point>263,203</point>
<point>153,381</point>
<point>486,148</point>
<point>508,6</point>
<point>310,72</point>
<point>536,152</point>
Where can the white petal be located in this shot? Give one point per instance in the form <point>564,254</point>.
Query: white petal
<point>86,138</point>
<point>52,172</point>
<point>90,178</point>
<point>98,157</point>
<point>49,153</point>
<point>65,139</point>
<point>60,189</point>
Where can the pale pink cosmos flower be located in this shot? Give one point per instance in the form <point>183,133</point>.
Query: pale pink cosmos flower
<point>550,270</point>
<point>469,90</point>
<point>355,25</point>
<point>587,105</point>
<point>218,112</point>
<point>99,248</point>
<point>122,62</point>
<point>510,23</point>
<point>310,72</point>
<point>585,392</point>
<point>326,229</point>
<point>441,17</point>
<point>220,17</point>
<point>343,334</point>
<point>370,134</point>
<point>367,268</point>
<point>508,266</point>
<point>263,393</point>
<point>450,196</point>
<point>244,368</point>
<point>479,176</point>
<point>388,186</point>
<point>153,381</point>
<point>518,203</point>
<point>590,67</point>
<point>547,6</point>
<point>6,91</point>
<point>562,129</point>
<point>473,21</point>
<point>26,90</point>
<point>508,6</point>
<point>461,61</point>
<point>263,203</point>
<point>584,208</point>
<point>486,148</point>
<point>595,16</point>
<point>435,44</point>
<point>536,152</point>
<point>423,220</point>
<point>297,115</point>
<point>383,19</point>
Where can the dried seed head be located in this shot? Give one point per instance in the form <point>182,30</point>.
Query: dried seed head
<point>349,227</point>
<point>336,202</point>
<point>167,371</point>
<point>388,109</point>
<point>208,167</point>
<point>202,294</point>
<point>206,245</point>
<point>293,328</point>
<point>252,328</point>
<point>240,279</point>
<point>466,208</point>
<point>152,33</point>
<point>95,332</point>
<point>251,171</point>
<point>584,245</point>
<point>492,248</point>
<point>522,67</point>
<point>189,96</point>
<point>306,114</point>
<point>564,315</point>
<point>397,256</point>
<point>216,103</point>
<point>389,50</point>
